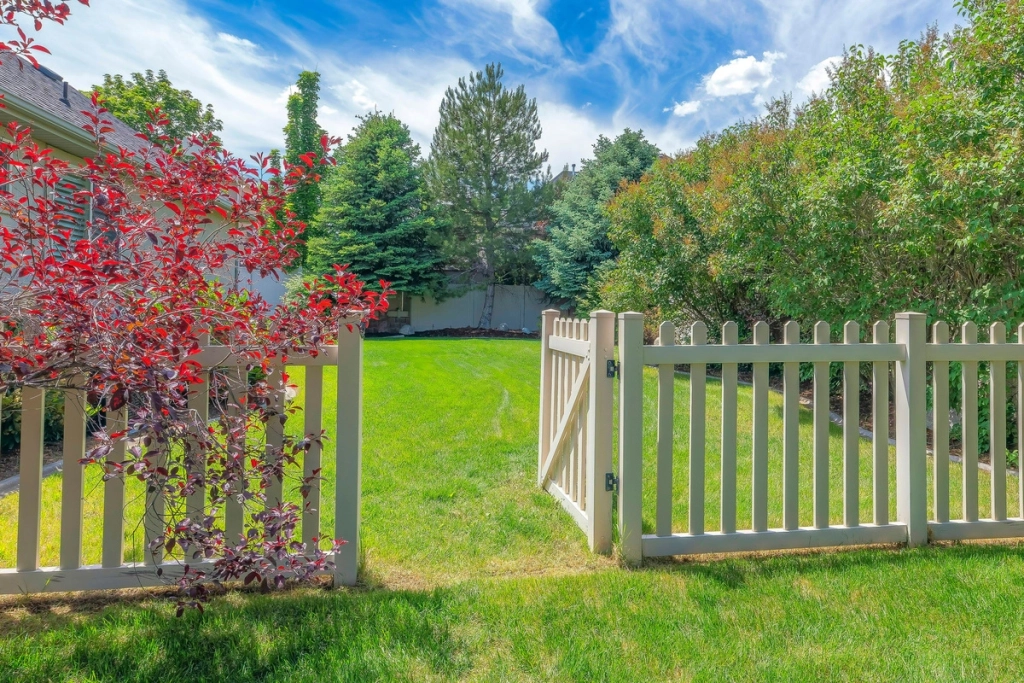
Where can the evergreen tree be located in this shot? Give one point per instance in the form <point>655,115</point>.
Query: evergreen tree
<point>302,135</point>
<point>372,215</point>
<point>577,242</point>
<point>484,174</point>
<point>132,100</point>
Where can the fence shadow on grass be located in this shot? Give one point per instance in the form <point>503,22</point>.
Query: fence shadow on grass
<point>736,571</point>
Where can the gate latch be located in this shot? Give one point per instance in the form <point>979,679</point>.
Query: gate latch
<point>612,369</point>
<point>611,482</point>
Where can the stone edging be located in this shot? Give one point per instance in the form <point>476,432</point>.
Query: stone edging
<point>10,484</point>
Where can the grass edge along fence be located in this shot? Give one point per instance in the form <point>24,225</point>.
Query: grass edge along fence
<point>914,525</point>
<point>113,572</point>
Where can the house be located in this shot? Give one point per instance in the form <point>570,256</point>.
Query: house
<point>42,100</point>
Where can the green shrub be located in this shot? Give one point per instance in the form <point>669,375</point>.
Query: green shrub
<point>10,419</point>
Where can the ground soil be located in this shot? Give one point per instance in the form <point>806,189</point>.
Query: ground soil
<point>9,461</point>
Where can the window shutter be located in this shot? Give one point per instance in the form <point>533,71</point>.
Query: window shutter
<point>77,214</point>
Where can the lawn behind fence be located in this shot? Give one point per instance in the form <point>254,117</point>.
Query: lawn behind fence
<point>473,573</point>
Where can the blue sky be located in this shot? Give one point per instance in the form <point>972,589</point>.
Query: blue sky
<point>674,68</point>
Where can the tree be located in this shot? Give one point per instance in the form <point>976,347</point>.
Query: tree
<point>484,172</point>
<point>302,136</point>
<point>577,241</point>
<point>135,99</point>
<point>372,214</point>
<point>118,317</point>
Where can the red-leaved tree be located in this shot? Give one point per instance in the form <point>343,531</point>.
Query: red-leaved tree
<point>122,315</point>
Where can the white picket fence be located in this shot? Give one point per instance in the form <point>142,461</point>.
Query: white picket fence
<point>575,451</point>
<point>71,575</point>
<point>742,530</point>
<point>911,353</point>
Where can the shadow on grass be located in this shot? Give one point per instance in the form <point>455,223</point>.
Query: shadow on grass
<point>292,635</point>
<point>736,571</point>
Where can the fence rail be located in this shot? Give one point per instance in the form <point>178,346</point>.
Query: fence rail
<point>71,575</point>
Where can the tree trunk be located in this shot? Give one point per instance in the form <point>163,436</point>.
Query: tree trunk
<point>485,317</point>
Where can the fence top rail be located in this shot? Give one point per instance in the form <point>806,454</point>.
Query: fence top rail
<point>220,356</point>
<point>775,353</point>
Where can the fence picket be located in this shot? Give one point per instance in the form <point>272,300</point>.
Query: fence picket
<point>997,424</point>
<point>666,412</point>
<point>821,426</point>
<point>698,428</point>
<point>113,496</point>
<point>969,427</point>
<point>759,498</point>
<point>199,406</point>
<point>275,432</point>
<point>31,484</point>
<point>153,522</point>
<point>73,479</point>
<point>791,434</point>
<point>851,431</point>
<point>940,426</point>
<point>730,409</point>
<point>880,429</point>
<point>312,427</point>
<point>234,513</point>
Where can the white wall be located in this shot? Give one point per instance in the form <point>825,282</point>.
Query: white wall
<point>517,306</point>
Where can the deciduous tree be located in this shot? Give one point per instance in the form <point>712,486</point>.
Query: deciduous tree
<point>134,99</point>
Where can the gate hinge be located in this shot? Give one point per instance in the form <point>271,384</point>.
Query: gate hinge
<point>611,482</point>
<point>612,369</point>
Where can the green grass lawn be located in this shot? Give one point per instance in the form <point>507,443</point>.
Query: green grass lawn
<point>472,573</point>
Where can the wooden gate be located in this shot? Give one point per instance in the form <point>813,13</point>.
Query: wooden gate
<point>575,451</point>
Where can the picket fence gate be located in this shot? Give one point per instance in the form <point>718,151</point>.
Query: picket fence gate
<point>575,451</point>
<point>911,352</point>
<point>71,575</point>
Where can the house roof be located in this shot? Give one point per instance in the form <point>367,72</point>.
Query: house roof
<point>42,100</point>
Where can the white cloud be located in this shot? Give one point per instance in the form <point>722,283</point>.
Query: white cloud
<point>531,33</point>
<point>568,134</point>
<point>742,75</point>
<point>817,79</point>
<point>685,108</point>
<point>238,77</point>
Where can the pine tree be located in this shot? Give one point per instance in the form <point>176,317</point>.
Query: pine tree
<point>484,172</point>
<point>372,215</point>
<point>577,242</point>
<point>302,135</point>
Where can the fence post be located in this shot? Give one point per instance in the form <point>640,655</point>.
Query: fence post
<point>348,451</point>
<point>599,430</point>
<point>547,327</point>
<point>631,388</point>
<point>911,384</point>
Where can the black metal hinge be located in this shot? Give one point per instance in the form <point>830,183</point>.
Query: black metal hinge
<point>612,369</point>
<point>611,482</point>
